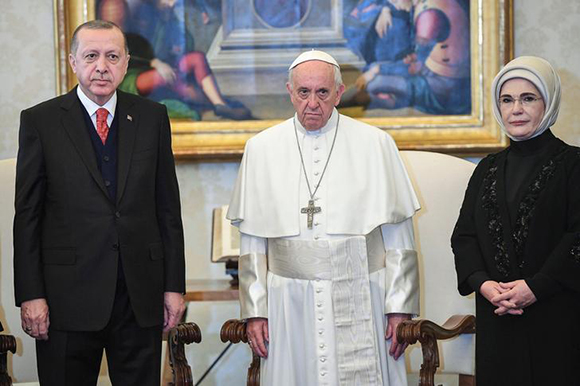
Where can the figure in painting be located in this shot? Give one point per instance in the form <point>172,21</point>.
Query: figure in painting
<point>164,65</point>
<point>435,77</point>
<point>380,30</point>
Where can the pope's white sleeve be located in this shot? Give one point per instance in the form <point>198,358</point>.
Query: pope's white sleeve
<point>402,271</point>
<point>253,272</point>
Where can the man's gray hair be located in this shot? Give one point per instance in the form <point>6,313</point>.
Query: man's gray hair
<point>95,24</point>
<point>337,76</point>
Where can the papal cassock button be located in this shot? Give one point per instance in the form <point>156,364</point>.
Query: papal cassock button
<point>320,318</point>
<point>321,345</point>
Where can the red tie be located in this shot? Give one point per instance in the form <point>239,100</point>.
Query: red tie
<point>102,127</point>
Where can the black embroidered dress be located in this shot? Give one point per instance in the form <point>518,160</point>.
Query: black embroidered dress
<point>520,219</point>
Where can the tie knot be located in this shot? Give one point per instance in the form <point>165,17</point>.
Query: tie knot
<point>102,114</point>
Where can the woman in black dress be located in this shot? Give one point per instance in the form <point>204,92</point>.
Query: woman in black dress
<point>517,239</point>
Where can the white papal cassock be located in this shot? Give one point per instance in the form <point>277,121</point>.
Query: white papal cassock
<point>326,290</point>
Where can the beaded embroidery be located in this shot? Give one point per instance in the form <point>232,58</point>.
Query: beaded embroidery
<point>495,226</point>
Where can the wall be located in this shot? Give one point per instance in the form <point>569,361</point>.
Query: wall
<point>27,76</point>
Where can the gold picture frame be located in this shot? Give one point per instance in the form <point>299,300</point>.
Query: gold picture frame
<point>491,24</point>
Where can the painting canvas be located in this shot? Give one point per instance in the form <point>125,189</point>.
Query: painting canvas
<point>417,68</point>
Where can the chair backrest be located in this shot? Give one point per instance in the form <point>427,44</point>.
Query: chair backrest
<point>440,182</point>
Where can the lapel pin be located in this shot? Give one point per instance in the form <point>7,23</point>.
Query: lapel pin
<point>129,118</point>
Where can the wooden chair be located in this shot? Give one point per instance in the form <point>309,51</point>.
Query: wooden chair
<point>440,182</point>
<point>7,343</point>
<point>178,337</point>
<point>234,331</point>
<point>445,332</point>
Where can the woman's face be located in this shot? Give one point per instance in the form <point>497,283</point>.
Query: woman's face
<point>522,108</point>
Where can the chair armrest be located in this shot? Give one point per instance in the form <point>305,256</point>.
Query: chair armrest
<point>182,334</point>
<point>234,331</point>
<point>427,333</point>
<point>7,343</point>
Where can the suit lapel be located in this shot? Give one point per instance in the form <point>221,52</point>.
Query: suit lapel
<point>73,122</point>
<point>128,120</point>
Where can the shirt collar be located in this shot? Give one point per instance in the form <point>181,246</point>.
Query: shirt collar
<point>92,107</point>
<point>330,125</point>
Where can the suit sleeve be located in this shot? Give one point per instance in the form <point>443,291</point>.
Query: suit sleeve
<point>29,206</point>
<point>169,212</point>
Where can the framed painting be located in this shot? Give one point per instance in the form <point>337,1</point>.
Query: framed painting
<point>420,69</point>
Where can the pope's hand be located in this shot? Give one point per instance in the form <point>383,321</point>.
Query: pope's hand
<point>258,338</point>
<point>397,349</point>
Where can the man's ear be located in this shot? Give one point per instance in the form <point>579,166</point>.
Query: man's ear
<point>73,63</point>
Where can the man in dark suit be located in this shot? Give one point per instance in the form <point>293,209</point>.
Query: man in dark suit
<point>98,238</point>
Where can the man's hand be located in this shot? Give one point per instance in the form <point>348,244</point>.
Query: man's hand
<point>173,308</point>
<point>397,349</point>
<point>258,337</point>
<point>34,318</point>
<point>515,293</point>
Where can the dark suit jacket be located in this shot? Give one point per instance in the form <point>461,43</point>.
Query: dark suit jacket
<point>68,233</point>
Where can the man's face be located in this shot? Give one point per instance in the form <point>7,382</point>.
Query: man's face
<point>100,62</point>
<point>314,93</point>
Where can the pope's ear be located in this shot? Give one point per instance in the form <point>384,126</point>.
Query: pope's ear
<point>289,88</point>
<point>339,93</point>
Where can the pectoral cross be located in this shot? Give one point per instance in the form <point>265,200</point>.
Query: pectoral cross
<point>310,210</point>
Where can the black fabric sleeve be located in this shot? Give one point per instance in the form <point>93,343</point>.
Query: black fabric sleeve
<point>563,264</point>
<point>476,279</point>
<point>543,286</point>
<point>464,242</point>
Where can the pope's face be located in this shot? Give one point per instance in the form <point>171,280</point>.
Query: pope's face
<point>525,109</point>
<point>100,62</point>
<point>313,93</point>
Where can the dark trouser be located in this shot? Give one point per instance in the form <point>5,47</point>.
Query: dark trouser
<point>73,358</point>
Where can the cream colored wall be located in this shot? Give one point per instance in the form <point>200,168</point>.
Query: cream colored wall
<point>551,29</point>
<point>27,76</point>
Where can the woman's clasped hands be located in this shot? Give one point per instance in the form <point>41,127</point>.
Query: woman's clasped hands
<point>509,298</point>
